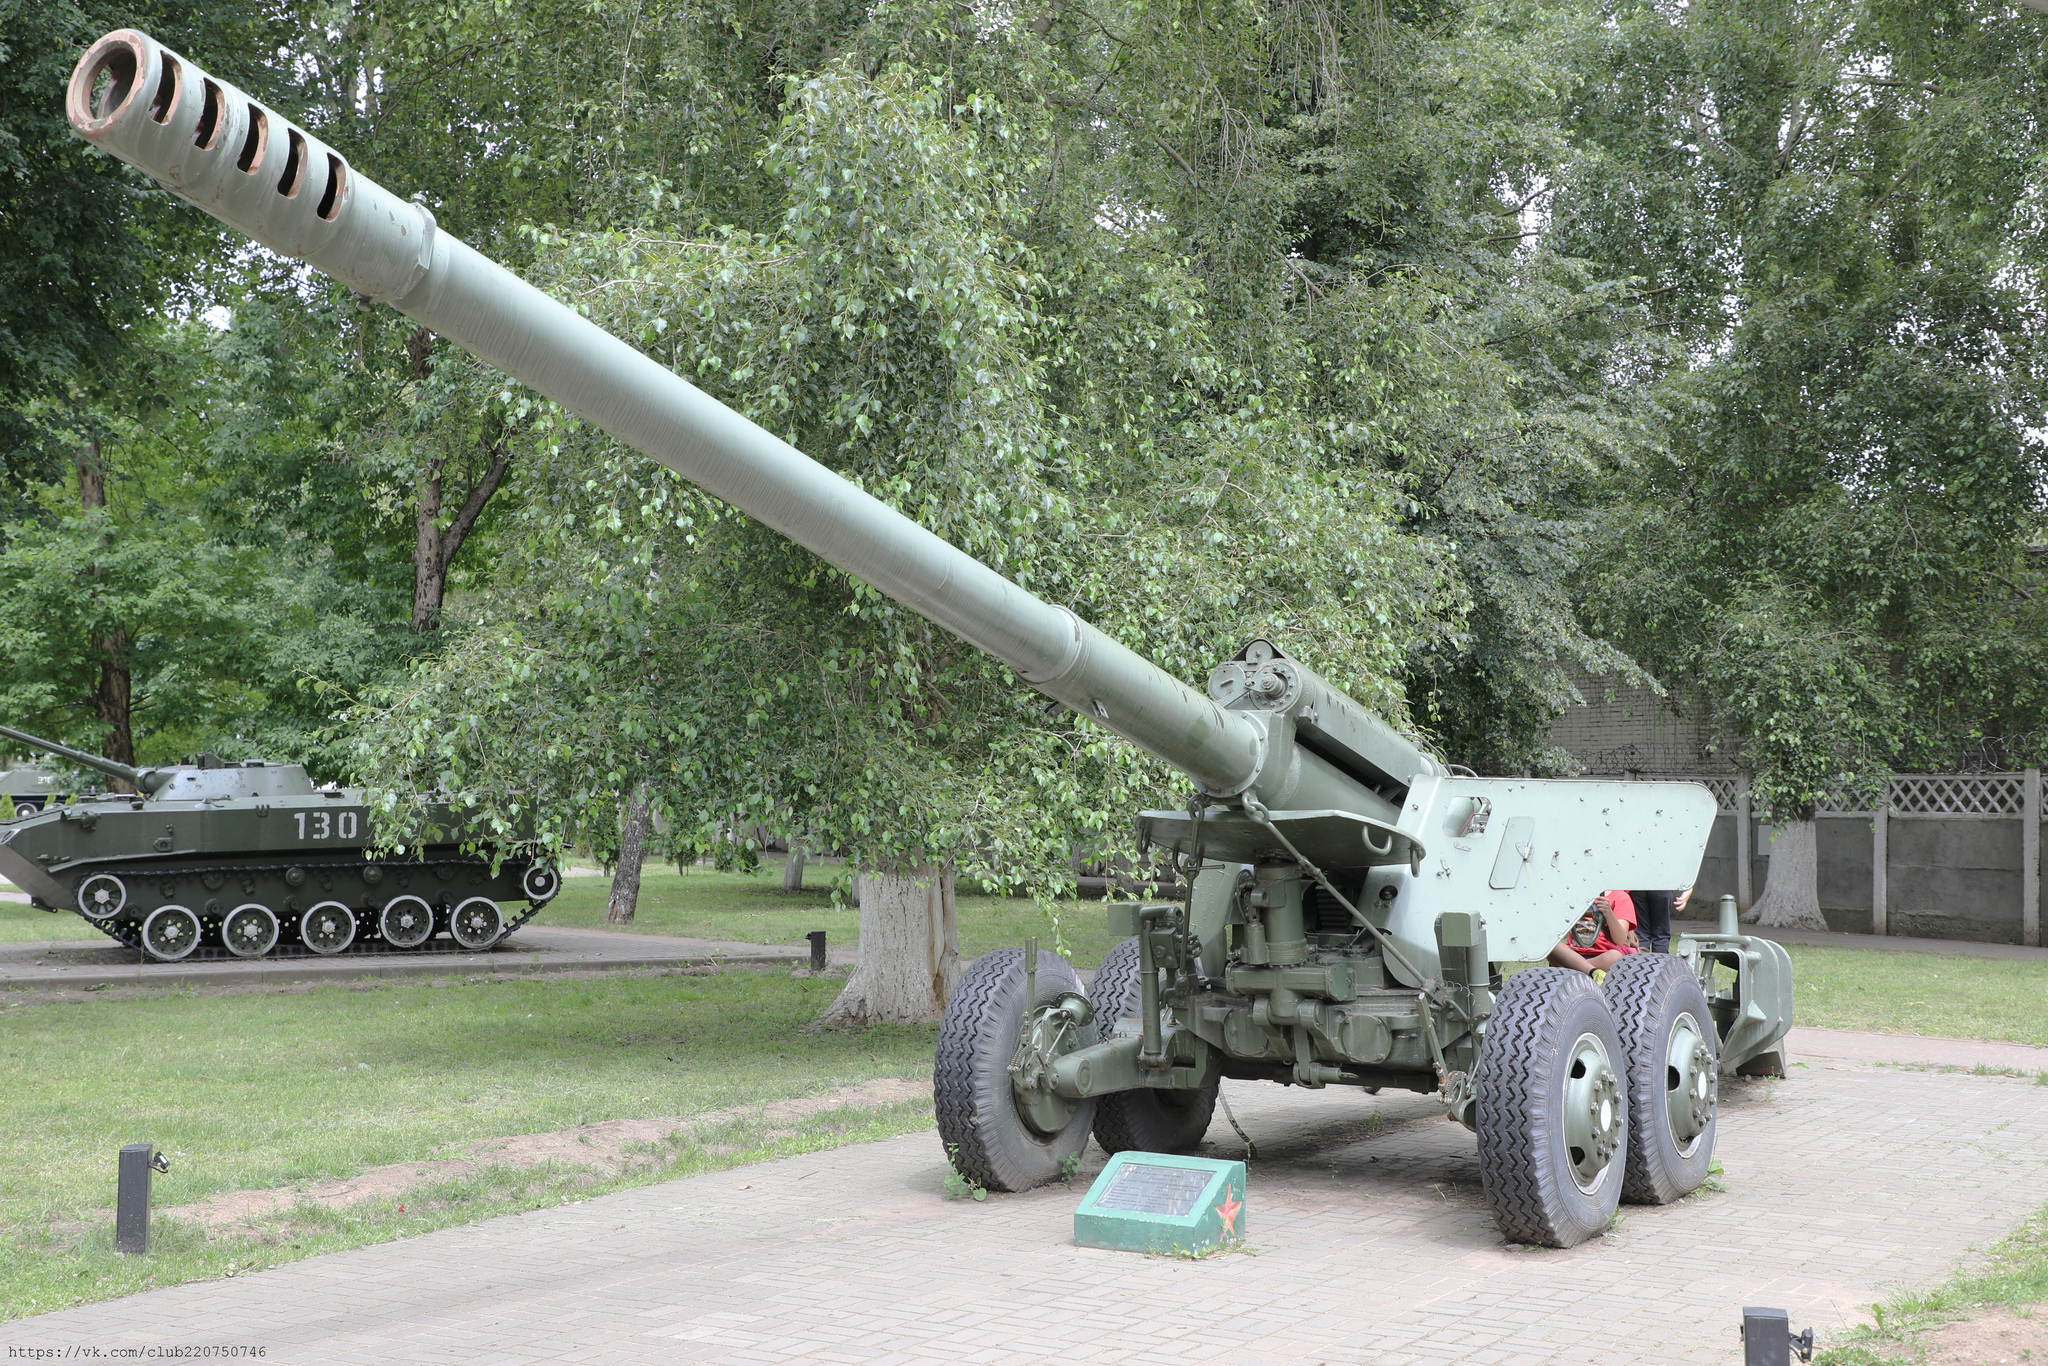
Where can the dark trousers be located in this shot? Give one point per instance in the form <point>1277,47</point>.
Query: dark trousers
<point>1653,919</point>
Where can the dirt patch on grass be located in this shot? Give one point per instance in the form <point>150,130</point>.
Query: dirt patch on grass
<point>600,1150</point>
<point>1988,1338</point>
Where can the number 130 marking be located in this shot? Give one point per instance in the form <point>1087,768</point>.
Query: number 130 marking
<point>328,825</point>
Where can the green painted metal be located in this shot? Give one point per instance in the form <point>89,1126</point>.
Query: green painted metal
<point>34,785</point>
<point>245,852</point>
<point>1748,982</point>
<point>1158,1202</point>
<point>1352,896</point>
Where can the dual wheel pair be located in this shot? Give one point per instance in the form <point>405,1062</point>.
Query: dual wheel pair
<point>1583,1097</point>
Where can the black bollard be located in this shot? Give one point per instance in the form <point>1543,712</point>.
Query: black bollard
<point>1767,1338</point>
<point>817,938</point>
<point>139,1162</point>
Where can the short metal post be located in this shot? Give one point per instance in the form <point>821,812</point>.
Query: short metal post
<point>131,1201</point>
<point>1742,851</point>
<point>1030,975</point>
<point>817,938</point>
<point>1731,916</point>
<point>1880,865</point>
<point>2030,860</point>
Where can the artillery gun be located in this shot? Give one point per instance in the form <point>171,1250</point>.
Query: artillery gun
<point>1353,899</point>
<point>249,860</point>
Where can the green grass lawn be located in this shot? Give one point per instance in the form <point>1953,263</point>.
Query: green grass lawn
<point>1920,993</point>
<point>21,924</point>
<point>253,1092</point>
<point>1917,993</point>
<point>2013,1278</point>
<point>749,908</point>
<point>753,909</point>
<point>263,1091</point>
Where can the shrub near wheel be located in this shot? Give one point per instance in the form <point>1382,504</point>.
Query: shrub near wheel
<point>1667,1037</point>
<point>1552,1113</point>
<point>1141,1121</point>
<point>996,1135</point>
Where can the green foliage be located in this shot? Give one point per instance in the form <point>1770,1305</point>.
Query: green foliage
<point>1077,335</point>
<point>896,330</point>
<point>957,1186</point>
<point>1831,204</point>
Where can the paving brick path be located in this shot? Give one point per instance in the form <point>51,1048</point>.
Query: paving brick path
<point>1844,1182</point>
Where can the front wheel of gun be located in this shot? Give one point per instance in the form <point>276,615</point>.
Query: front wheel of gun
<point>997,1134</point>
<point>1552,1109</point>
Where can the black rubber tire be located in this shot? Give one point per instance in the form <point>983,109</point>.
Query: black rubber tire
<point>1141,1121</point>
<point>986,1138</point>
<point>1519,1083</point>
<point>1649,994</point>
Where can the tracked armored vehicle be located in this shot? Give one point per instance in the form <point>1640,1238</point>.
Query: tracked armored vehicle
<point>31,787</point>
<point>250,860</point>
<point>1355,903</point>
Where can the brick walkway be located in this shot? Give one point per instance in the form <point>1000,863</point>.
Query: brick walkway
<point>1844,1183</point>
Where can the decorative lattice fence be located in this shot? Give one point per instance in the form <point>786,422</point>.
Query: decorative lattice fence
<point>1962,861</point>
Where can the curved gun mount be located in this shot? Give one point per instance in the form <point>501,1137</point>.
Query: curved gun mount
<point>208,859</point>
<point>1353,898</point>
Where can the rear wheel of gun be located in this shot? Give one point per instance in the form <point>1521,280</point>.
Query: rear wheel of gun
<point>1552,1110</point>
<point>1149,1121</point>
<point>1002,1132</point>
<point>1667,1037</point>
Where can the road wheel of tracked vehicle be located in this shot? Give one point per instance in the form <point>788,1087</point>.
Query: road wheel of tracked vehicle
<point>541,881</point>
<point>1667,1038</point>
<point>102,896</point>
<point>22,809</point>
<point>170,933</point>
<point>249,931</point>
<point>328,927</point>
<point>1145,1121</point>
<point>406,922</point>
<point>1552,1111</point>
<point>996,1136</point>
<point>477,923</point>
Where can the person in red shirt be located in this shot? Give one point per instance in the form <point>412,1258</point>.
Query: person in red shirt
<point>1604,935</point>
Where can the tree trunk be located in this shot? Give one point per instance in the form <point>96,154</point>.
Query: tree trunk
<point>793,869</point>
<point>909,950</point>
<point>1791,899</point>
<point>111,701</point>
<point>632,853</point>
<point>113,695</point>
<point>433,548</point>
<point>429,570</point>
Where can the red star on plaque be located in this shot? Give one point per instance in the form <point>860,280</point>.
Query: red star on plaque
<point>1227,1211</point>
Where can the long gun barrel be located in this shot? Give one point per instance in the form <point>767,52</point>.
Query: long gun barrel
<point>143,779</point>
<point>209,143</point>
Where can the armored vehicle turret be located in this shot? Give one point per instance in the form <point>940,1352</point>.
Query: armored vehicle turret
<point>250,859</point>
<point>1356,904</point>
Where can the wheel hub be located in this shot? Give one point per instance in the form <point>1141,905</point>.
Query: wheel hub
<point>1592,1112</point>
<point>1691,1087</point>
<point>1050,1033</point>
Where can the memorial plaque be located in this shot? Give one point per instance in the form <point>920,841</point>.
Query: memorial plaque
<point>1159,1202</point>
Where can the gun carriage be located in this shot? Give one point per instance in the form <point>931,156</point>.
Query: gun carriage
<point>1353,899</point>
